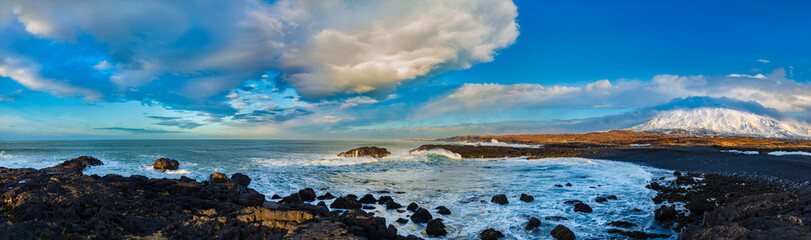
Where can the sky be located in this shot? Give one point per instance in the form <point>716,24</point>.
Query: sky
<point>100,69</point>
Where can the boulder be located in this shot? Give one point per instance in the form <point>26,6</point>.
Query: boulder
<point>384,199</point>
<point>326,196</point>
<point>276,196</point>
<point>402,220</point>
<point>241,179</point>
<point>562,233</point>
<point>367,199</point>
<point>611,197</point>
<point>435,227</point>
<point>582,207</point>
<point>558,185</point>
<point>390,205</point>
<point>568,184</point>
<point>500,199</point>
<point>76,165</point>
<point>600,199</point>
<point>294,198</point>
<point>345,203</point>
<point>165,164</point>
<point>490,234</point>
<point>556,218</point>
<point>443,210</point>
<point>622,224</point>
<point>421,216</point>
<point>412,207</point>
<point>533,223</point>
<point>307,194</point>
<point>218,178</point>
<point>366,151</point>
<point>665,214</point>
<point>526,198</point>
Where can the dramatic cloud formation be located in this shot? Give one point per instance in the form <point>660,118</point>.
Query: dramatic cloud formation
<point>189,55</point>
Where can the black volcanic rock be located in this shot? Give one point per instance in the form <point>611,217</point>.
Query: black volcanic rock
<point>164,164</point>
<point>435,227</point>
<point>390,205</point>
<point>526,198</point>
<point>639,234</point>
<point>367,199</point>
<point>76,165</point>
<point>622,224</point>
<point>326,196</point>
<point>412,206</point>
<point>665,214</point>
<point>533,223</point>
<point>307,194</point>
<point>500,199</point>
<point>582,207</point>
<point>241,179</point>
<point>384,199</point>
<point>421,216</point>
<point>443,210</point>
<point>218,178</point>
<point>366,151</point>
<point>345,203</point>
<point>562,233</point>
<point>490,234</point>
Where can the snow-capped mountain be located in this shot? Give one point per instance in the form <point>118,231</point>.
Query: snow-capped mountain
<point>726,121</point>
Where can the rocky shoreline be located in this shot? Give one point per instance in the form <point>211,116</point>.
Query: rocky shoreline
<point>62,203</point>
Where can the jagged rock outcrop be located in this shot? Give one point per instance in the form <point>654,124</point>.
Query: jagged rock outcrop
<point>165,164</point>
<point>366,151</point>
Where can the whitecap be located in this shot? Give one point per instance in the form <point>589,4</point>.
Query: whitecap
<point>438,151</point>
<point>4,155</point>
<point>741,152</point>
<point>783,153</point>
<point>638,145</point>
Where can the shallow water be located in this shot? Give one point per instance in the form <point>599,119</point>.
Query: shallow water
<point>431,179</point>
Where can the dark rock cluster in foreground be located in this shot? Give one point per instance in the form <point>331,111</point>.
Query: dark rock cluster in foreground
<point>62,203</point>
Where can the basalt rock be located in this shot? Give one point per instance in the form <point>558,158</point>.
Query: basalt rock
<point>665,214</point>
<point>490,234</point>
<point>391,205</point>
<point>500,199</point>
<point>435,227</point>
<point>412,207</point>
<point>57,203</point>
<point>367,199</point>
<point>526,198</point>
<point>218,178</point>
<point>76,165</point>
<point>326,196</point>
<point>241,179</point>
<point>562,233</point>
<point>345,203</point>
<point>366,151</point>
<point>443,210</point>
<point>307,194</point>
<point>421,216</point>
<point>533,223</point>
<point>165,164</point>
<point>582,207</point>
<point>622,224</point>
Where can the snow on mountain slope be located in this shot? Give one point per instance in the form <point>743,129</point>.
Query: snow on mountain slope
<point>726,121</point>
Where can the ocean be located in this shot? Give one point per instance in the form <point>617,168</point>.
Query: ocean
<point>431,179</point>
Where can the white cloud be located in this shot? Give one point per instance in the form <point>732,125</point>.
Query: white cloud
<point>322,48</point>
<point>763,61</point>
<point>27,73</point>
<point>773,91</point>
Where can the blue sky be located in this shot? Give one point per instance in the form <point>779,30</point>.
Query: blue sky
<point>383,69</point>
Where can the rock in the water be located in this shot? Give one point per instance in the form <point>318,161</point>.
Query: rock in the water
<point>384,199</point>
<point>241,179</point>
<point>345,203</point>
<point>164,164</point>
<point>568,184</point>
<point>556,218</point>
<point>367,199</point>
<point>218,178</point>
<point>526,198</point>
<point>435,227</point>
<point>600,199</point>
<point>76,165</point>
<point>326,196</point>
<point>366,151</point>
<point>533,223</point>
<point>443,210</point>
<point>294,198</point>
<point>307,194</point>
<point>412,207</point>
<point>572,202</point>
<point>276,196</point>
<point>368,207</point>
<point>500,199</point>
<point>611,197</point>
<point>390,205</point>
<point>402,220</point>
<point>558,185</point>
<point>421,216</point>
<point>562,233</point>
<point>665,214</point>
<point>582,207</point>
<point>491,234</point>
<point>622,224</point>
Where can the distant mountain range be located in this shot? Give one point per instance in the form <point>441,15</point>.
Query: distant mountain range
<point>724,121</point>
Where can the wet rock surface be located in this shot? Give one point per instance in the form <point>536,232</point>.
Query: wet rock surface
<point>500,199</point>
<point>165,164</point>
<point>490,234</point>
<point>62,203</point>
<point>561,232</point>
<point>366,152</point>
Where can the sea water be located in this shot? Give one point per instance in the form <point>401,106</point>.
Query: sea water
<point>429,178</point>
